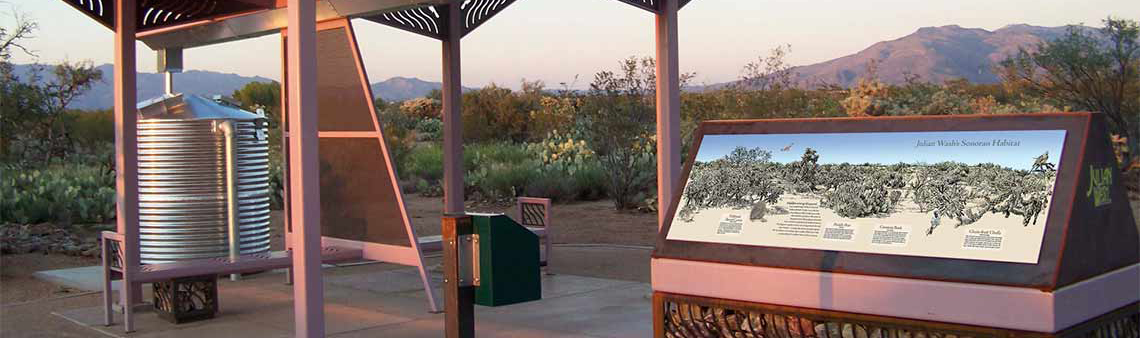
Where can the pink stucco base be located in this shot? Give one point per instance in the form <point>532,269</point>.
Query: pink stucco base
<point>962,303</point>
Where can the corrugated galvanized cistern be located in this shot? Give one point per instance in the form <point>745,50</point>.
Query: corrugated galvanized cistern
<point>183,186</point>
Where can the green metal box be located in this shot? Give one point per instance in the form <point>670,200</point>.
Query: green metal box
<point>508,261</point>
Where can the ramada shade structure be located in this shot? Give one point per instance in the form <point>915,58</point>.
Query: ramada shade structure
<point>178,24</point>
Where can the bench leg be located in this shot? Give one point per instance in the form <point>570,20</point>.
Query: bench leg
<point>289,276</point>
<point>107,302</point>
<point>128,303</point>
<point>547,243</point>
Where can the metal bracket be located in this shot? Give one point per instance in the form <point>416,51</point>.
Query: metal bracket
<point>468,250</point>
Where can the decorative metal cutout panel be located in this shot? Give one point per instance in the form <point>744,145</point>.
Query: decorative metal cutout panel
<point>649,5</point>
<point>187,299</point>
<point>115,250</point>
<point>533,214</point>
<point>476,12</point>
<point>159,13</point>
<point>685,317</point>
<point>431,21</point>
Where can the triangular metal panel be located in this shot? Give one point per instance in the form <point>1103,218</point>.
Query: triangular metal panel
<point>476,12</point>
<point>429,21</point>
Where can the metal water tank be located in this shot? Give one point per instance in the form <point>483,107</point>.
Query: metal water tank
<point>203,165</point>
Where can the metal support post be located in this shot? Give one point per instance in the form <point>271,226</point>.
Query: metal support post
<point>126,155</point>
<point>304,169</point>
<point>452,117</point>
<point>458,295</point>
<point>668,108</point>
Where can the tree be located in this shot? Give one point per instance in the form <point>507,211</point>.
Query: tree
<point>804,174</point>
<point>33,111</point>
<point>10,87</point>
<point>769,73</point>
<point>1094,70</point>
<point>266,97</point>
<point>616,120</point>
<point>745,177</point>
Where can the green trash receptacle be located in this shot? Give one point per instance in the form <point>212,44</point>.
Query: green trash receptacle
<point>508,261</point>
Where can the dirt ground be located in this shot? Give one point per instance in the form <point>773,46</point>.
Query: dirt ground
<point>594,222</point>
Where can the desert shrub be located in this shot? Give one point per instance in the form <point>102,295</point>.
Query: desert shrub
<point>740,179</point>
<point>425,162</point>
<point>429,129</point>
<point>804,174</point>
<point>421,108</point>
<point>60,193</point>
<point>276,184</point>
<point>481,154</point>
<point>551,184</point>
<point>860,198</point>
<point>503,180</point>
<point>399,130</point>
<point>890,178</point>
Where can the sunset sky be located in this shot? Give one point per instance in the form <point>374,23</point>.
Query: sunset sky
<point>554,40</point>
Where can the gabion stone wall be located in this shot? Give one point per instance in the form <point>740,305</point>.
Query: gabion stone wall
<point>692,317</point>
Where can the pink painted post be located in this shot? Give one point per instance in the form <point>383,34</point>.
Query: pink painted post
<point>668,108</point>
<point>126,154</point>
<point>304,166</point>
<point>452,117</point>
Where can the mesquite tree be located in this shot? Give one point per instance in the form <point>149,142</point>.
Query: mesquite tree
<point>740,179</point>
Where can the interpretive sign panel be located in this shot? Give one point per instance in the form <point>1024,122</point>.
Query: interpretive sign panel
<point>981,195</point>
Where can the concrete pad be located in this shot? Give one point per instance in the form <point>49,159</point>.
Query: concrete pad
<point>602,261</point>
<point>87,278</point>
<point>434,329</point>
<point>149,325</point>
<point>389,281</point>
<point>388,301</point>
<point>565,285</point>
<point>338,318</point>
<point>613,312</point>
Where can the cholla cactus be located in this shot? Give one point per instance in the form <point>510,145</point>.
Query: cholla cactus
<point>867,98</point>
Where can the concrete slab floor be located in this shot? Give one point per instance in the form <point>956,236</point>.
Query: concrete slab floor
<point>388,300</point>
<point>573,306</point>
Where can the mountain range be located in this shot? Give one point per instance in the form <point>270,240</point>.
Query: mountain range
<point>934,54</point>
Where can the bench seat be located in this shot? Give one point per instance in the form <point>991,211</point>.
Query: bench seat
<point>245,263</point>
<point>112,260</point>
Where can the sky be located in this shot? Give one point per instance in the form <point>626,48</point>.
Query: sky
<point>558,40</point>
<point>1011,149</point>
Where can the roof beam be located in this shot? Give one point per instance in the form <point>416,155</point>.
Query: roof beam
<point>259,23</point>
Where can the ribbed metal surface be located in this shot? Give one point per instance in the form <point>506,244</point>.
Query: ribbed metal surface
<point>182,189</point>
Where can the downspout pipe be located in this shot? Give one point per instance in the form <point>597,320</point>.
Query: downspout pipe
<point>229,130</point>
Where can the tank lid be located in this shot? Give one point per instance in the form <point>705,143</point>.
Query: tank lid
<point>191,107</point>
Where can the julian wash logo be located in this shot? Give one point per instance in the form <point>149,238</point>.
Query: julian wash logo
<point>1100,184</point>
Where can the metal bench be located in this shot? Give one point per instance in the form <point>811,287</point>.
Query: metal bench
<point>150,273</point>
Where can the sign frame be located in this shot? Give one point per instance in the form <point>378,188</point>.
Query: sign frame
<point>1045,274</point>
